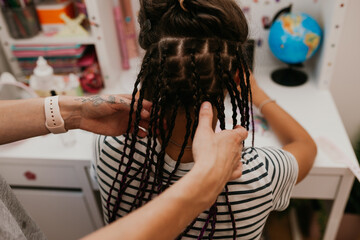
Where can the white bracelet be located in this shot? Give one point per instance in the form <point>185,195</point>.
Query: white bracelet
<point>264,103</point>
<point>54,122</point>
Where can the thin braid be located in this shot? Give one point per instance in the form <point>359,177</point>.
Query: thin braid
<point>147,60</point>
<point>249,93</point>
<point>206,224</point>
<point>186,140</point>
<point>244,96</point>
<point>147,169</point>
<point>187,229</point>
<point>230,211</point>
<point>136,85</point>
<point>196,91</point>
<point>156,117</point>
<point>162,104</point>
<point>151,129</point>
<point>228,86</point>
<point>245,90</point>
<point>250,97</point>
<point>141,187</point>
<point>236,91</point>
<point>165,143</point>
<point>243,93</point>
<point>131,154</point>
<point>214,210</point>
<point>152,143</point>
<point>221,112</point>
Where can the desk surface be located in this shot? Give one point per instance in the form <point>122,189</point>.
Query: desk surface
<point>313,108</point>
<point>316,111</point>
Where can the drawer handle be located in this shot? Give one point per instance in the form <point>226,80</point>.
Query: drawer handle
<point>30,176</point>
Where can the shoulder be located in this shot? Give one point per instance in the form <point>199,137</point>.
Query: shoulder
<point>118,143</point>
<point>112,148</point>
<point>283,170</point>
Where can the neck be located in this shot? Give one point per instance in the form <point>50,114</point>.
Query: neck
<point>178,135</point>
<point>177,139</point>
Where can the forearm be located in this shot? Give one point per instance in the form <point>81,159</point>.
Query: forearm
<point>286,128</point>
<point>291,134</point>
<point>21,119</point>
<point>167,215</point>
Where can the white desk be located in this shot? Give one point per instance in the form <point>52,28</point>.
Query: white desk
<point>52,181</point>
<point>316,111</point>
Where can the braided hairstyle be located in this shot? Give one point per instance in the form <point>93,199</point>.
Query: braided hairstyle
<point>191,56</point>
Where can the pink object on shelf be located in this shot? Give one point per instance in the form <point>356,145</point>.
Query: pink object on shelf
<point>129,28</point>
<point>121,38</point>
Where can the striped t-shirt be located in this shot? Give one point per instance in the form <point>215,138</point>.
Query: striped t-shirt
<point>269,176</point>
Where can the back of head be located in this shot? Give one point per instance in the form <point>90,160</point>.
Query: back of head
<point>222,19</point>
<point>194,50</point>
<point>191,44</point>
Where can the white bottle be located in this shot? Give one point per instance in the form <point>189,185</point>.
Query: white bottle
<point>43,79</point>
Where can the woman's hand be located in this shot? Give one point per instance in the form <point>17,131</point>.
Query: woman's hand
<point>220,152</point>
<point>107,115</point>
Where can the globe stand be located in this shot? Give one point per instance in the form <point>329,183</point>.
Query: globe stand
<point>289,76</point>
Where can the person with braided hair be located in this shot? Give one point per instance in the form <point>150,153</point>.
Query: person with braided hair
<point>195,52</point>
<point>109,115</point>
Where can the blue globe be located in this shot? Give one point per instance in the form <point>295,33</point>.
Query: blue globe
<point>294,38</point>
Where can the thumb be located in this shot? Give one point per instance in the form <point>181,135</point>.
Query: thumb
<point>206,115</point>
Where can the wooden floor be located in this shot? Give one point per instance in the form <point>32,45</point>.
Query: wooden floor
<point>278,227</point>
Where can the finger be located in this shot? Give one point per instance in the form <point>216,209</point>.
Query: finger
<point>144,125</point>
<point>206,115</point>
<point>238,168</point>
<point>147,105</point>
<point>145,114</point>
<point>142,133</point>
<point>242,132</point>
<point>237,173</point>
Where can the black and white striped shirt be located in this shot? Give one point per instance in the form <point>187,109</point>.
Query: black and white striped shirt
<point>269,176</point>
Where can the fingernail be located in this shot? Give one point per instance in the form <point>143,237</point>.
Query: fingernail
<point>206,106</point>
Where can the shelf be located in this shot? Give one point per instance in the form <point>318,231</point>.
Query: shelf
<point>41,38</point>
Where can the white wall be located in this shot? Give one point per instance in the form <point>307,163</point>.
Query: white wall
<point>345,85</point>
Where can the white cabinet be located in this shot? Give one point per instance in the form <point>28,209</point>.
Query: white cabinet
<point>59,214</point>
<point>53,183</point>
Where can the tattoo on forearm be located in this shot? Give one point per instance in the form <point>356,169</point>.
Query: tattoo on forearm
<point>98,100</point>
<point>112,99</point>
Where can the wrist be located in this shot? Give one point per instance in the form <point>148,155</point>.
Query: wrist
<point>207,184</point>
<point>259,96</point>
<point>70,111</point>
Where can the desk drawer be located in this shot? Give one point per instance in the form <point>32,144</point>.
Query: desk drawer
<point>317,187</point>
<point>40,176</point>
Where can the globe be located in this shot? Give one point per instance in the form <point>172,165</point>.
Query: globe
<point>295,37</point>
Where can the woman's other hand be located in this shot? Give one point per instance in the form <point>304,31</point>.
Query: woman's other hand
<point>218,153</point>
<point>107,114</point>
